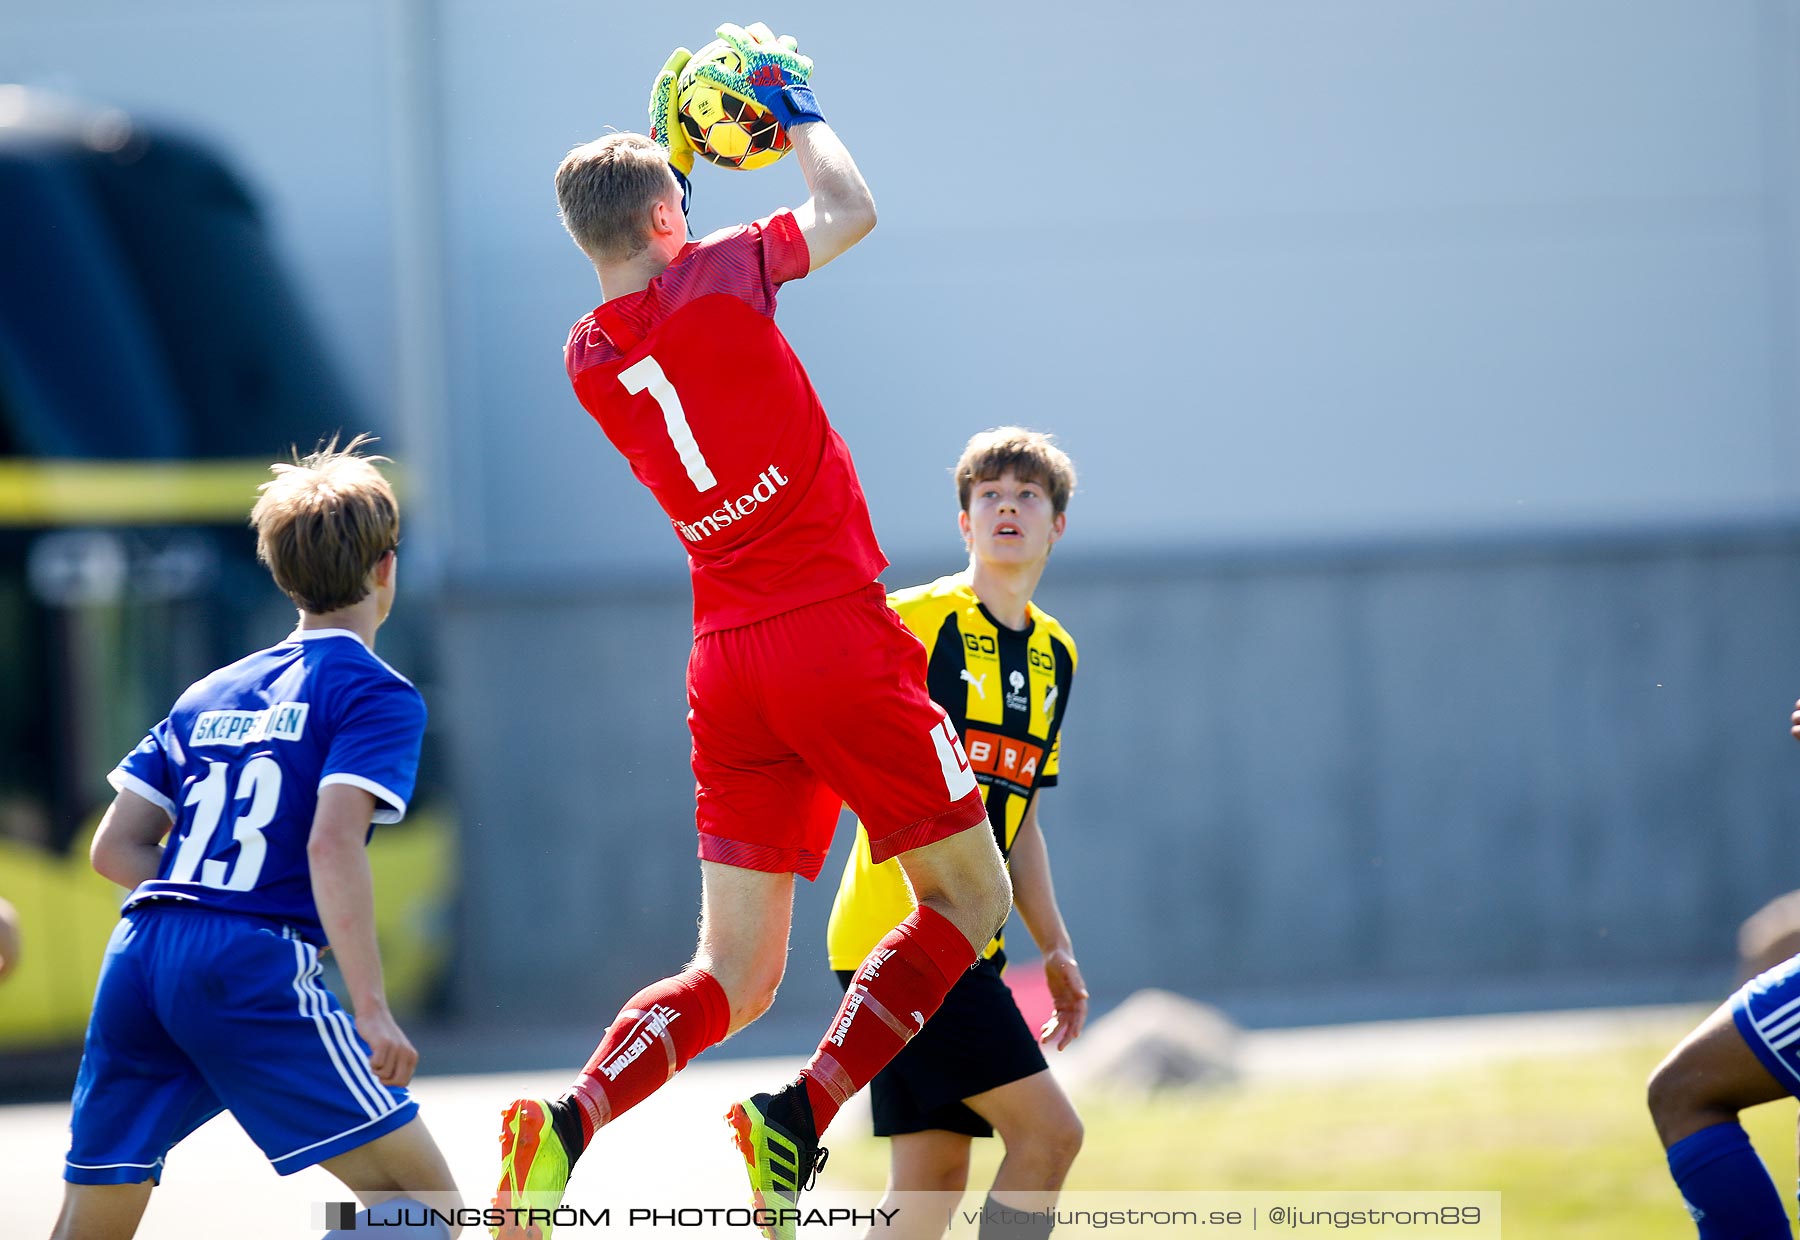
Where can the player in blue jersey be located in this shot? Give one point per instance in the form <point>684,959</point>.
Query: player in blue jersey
<point>1747,1052</point>
<point>265,779</point>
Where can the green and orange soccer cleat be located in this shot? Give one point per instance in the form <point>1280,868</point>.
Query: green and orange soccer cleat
<point>782,1156</point>
<point>534,1171</point>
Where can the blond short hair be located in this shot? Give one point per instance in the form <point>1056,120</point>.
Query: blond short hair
<point>605,190</point>
<point>323,521</point>
<point>1029,456</point>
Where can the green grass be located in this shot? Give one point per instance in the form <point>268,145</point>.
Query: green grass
<point>1566,1141</point>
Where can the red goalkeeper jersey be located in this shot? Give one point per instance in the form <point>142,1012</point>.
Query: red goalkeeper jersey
<point>695,384</point>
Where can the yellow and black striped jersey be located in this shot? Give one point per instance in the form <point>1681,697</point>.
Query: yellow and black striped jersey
<point>1006,690</point>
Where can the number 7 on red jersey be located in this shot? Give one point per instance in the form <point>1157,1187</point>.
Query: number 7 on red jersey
<point>646,375</point>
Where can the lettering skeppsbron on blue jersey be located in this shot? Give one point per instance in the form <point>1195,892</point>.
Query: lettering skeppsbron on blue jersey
<point>240,760</point>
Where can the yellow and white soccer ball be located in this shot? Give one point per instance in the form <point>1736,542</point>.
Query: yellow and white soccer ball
<point>722,128</point>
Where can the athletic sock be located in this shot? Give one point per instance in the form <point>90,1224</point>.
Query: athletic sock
<point>893,994</point>
<point>789,1109</point>
<point>399,1218</point>
<point>1000,1221</point>
<point>1726,1186</point>
<point>565,1120</point>
<point>658,1032</point>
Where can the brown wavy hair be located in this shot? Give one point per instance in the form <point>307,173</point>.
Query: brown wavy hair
<point>1030,456</point>
<point>323,521</point>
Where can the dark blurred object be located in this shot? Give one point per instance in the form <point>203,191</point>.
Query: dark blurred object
<point>144,314</point>
<point>154,359</point>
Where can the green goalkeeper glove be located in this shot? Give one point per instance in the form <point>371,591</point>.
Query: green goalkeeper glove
<point>665,120</point>
<point>775,76</point>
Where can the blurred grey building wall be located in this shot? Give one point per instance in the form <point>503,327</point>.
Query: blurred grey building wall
<point>1432,373</point>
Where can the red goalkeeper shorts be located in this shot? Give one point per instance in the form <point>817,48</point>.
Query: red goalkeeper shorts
<point>797,715</point>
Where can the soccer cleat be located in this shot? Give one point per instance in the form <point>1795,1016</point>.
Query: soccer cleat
<point>774,1133</point>
<point>534,1171</point>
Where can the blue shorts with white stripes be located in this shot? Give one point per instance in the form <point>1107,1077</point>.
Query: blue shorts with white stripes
<point>199,1011</point>
<point>1767,1011</point>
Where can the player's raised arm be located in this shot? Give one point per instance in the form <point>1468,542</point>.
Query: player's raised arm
<point>775,76</point>
<point>841,211</point>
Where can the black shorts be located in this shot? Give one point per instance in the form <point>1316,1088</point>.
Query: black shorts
<point>975,1042</point>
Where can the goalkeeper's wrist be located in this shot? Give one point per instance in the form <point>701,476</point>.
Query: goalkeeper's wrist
<point>794,105</point>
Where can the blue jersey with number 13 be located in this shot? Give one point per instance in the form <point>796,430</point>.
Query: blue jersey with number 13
<point>240,760</point>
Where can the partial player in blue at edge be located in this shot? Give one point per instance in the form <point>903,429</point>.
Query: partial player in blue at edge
<point>240,828</point>
<point>1746,1053</point>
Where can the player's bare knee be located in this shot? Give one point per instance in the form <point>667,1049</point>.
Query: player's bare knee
<point>749,975</point>
<point>750,1005</point>
<point>1064,1139</point>
<point>1677,1100</point>
<point>750,987</point>
<point>1042,1160</point>
<point>980,912</point>
<point>1662,1091</point>
<point>1046,1147</point>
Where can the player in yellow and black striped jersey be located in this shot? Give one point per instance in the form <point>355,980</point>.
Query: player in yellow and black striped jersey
<point>1001,668</point>
<point>1006,690</point>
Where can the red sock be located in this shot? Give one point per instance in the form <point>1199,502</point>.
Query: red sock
<point>891,997</point>
<point>661,1028</point>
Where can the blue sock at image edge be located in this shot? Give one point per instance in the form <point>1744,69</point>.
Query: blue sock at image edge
<point>1726,1186</point>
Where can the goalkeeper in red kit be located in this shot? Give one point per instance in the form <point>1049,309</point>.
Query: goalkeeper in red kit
<point>805,690</point>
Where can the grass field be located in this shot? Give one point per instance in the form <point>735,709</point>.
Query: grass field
<point>1566,1141</point>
